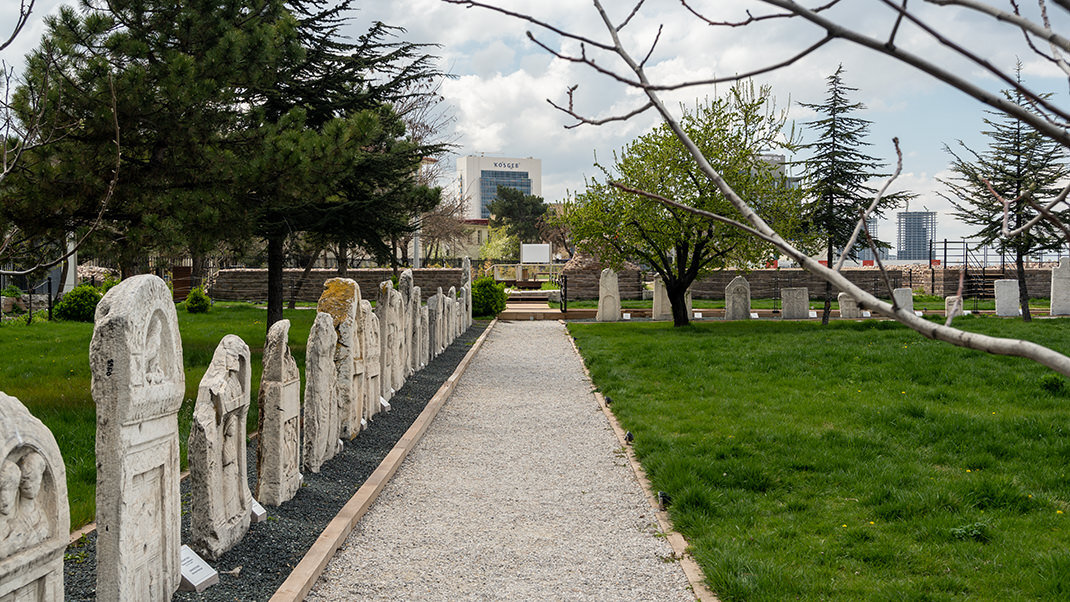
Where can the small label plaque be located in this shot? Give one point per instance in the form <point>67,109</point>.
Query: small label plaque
<point>918,313</point>
<point>753,315</point>
<point>626,316</point>
<point>197,576</point>
<point>866,314</point>
<point>257,511</point>
<point>813,314</point>
<point>698,315</point>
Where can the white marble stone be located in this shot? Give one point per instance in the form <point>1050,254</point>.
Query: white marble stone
<point>398,336</point>
<point>795,303</point>
<point>34,517</point>
<point>737,299</point>
<point>405,287</point>
<point>416,359</point>
<point>1060,288</point>
<point>425,329</point>
<point>904,298</point>
<point>433,318</point>
<point>386,343</point>
<point>454,326</point>
<point>218,476</point>
<point>849,309</point>
<point>953,306</point>
<point>662,309</point>
<point>278,452</point>
<point>341,298</point>
<point>608,297</point>
<point>320,411</point>
<point>138,385</point>
<point>466,284</point>
<point>197,575</point>
<point>374,394</point>
<point>1007,302</point>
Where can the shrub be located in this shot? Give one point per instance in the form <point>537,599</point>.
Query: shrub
<point>1053,383</point>
<point>79,304</point>
<point>198,302</point>
<point>108,283</point>
<point>488,297</point>
<point>11,291</point>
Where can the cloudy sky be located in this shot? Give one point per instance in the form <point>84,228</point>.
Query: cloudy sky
<point>498,95</point>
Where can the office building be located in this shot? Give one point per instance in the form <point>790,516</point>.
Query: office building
<point>917,229</point>
<point>480,176</point>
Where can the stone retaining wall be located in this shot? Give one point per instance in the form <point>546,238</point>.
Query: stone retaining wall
<point>583,284</point>
<point>251,284</point>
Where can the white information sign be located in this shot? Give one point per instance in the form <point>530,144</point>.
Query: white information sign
<point>197,576</point>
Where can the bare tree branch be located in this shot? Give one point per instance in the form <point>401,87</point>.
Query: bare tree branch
<point>25,8</point>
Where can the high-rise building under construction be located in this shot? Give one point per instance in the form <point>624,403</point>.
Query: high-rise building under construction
<point>917,229</point>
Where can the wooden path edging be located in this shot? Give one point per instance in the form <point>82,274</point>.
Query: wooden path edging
<point>691,569</point>
<point>305,574</point>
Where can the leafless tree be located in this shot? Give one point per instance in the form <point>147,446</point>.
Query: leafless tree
<point>611,57</point>
<point>444,227</point>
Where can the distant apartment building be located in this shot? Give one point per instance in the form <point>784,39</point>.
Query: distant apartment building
<point>479,178</point>
<point>866,254</point>
<point>917,229</point>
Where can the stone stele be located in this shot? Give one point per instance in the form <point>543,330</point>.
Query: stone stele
<point>608,297</point>
<point>737,299</point>
<point>848,307</point>
<point>341,298</point>
<point>373,397</point>
<point>1007,298</point>
<point>953,306</point>
<point>320,432</point>
<point>904,298</point>
<point>278,453</point>
<point>795,303</point>
<point>662,308</point>
<point>220,500</point>
<point>34,517</point>
<point>1060,288</point>
<point>138,385</point>
<point>398,336</point>
<point>454,326</point>
<point>416,360</point>
<point>386,366</point>
<point>425,329</point>
<point>405,286</point>
<point>466,284</point>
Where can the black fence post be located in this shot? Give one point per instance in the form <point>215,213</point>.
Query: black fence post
<point>564,293</point>
<point>29,306</point>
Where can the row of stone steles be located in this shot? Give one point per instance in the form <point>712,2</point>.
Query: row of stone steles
<point>356,359</point>
<point>796,301</point>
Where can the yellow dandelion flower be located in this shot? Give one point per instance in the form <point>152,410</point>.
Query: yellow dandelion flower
<point>1058,512</point>
<point>968,470</point>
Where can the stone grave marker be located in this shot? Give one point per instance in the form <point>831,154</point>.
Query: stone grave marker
<point>425,329</point>
<point>278,470</point>
<point>737,299</point>
<point>953,306</point>
<point>1007,302</point>
<point>904,298</point>
<point>848,307</point>
<point>138,385</point>
<point>454,326</point>
<point>386,370</point>
<point>220,500</point>
<point>795,303</point>
<point>320,412</point>
<point>398,319</point>
<point>1060,288</point>
<point>374,397</point>
<point>416,358</point>
<point>340,299</point>
<point>405,287</point>
<point>662,309</point>
<point>466,285</point>
<point>34,516</point>
<point>608,297</point>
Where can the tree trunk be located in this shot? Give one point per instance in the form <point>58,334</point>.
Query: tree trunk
<point>1023,290</point>
<point>828,289</point>
<point>276,259</point>
<point>394,256</point>
<point>198,268</point>
<point>304,277</point>
<point>343,260</point>
<point>677,299</point>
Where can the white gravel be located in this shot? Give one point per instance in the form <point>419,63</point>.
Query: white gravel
<point>518,491</point>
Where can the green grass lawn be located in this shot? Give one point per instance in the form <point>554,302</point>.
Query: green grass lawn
<point>857,461</point>
<point>921,302</point>
<point>46,366</point>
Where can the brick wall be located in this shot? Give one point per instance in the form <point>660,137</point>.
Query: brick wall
<point>583,283</point>
<point>251,284</point>
<point>766,284</point>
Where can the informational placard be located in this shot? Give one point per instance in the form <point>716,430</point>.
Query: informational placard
<point>259,514</point>
<point>197,576</point>
<point>535,253</point>
<point>813,314</point>
<point>753,315</point>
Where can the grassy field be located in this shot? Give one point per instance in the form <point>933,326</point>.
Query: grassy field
<point>857,461</point>
<point>46,366</point>
<point>921,302</point>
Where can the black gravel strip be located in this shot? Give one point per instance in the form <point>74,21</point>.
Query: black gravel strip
<point>259,564</point>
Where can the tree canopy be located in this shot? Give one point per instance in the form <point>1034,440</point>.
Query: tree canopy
<point>736,132</point>
<point>517,213</point>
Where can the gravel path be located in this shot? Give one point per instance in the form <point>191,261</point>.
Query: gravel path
<point>518,491</point>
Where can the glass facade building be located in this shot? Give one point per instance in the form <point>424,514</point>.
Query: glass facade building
<point>480,176</point>
<point>489,181</point>
<point>917,229</point>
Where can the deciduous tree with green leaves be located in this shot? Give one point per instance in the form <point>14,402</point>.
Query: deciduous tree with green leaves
<point>837,174</point>
<point>736,131</point>
<point>1020,165</point>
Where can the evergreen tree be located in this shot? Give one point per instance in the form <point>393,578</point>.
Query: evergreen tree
<point>1019,163</point>
<point>836,175</point>
<point>517,213</point>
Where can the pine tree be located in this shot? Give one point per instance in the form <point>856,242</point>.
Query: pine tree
<point>1018,163</point>
<point>836,175</point>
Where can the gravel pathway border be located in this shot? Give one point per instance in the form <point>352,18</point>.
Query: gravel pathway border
<point>521,491</point>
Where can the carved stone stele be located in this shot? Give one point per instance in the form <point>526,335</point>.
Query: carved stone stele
<point>405,287</point>
<point>848,307</point>
<point>374,366</point>
<point>425,330</point>
<point>138,385</point>
<point>398,336</point>
<point>608,297</point>
<point>416,359</point>
<point>320,412</point>
<point>386,345</point>
<point>278,472</point>
<point>34,516</point>
<point>737,299</point>
<point>341,299</point>
<point>220,500</point>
